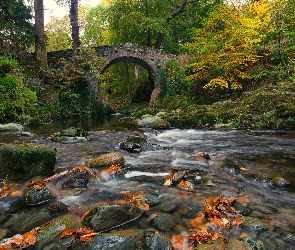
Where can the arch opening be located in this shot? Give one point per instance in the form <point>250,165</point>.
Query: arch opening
<point>126,81</point>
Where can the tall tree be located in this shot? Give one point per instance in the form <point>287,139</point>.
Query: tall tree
<point>40,38</point>
<point>17,32</point>
<point>74,25</point>
<point>74,5</point>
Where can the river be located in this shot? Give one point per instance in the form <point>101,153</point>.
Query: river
<point>241,164</point>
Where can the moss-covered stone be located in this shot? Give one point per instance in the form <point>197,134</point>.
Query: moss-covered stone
<point>23,161</point>
<point>107,160</point>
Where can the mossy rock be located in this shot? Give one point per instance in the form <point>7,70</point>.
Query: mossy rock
<point>136,138</point>
<point>107,160</point>
<point>23,161</point>
<point>11,127</point>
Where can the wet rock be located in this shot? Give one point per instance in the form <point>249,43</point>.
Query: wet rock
<point>52,231</point>
<point>157,241</point>
<point>136,138</point>
<point>103,218</point>
<point>233,244</point>
<point>130,239</point>
<point>23,161</point>
<point>254,244</point>
<point>26,134</point>
<point>179,175</point>
<point>71,135</point>
<point>231,167</point>
<point>279,182</point>
<point>254,224</point>
<point>8,203</point>
<point>58,206</point>
<point>163,222</point>
<point>148,122</point>
<point>20,223</point>
<point>107,160</point>
<point>78,177</point>
<point>186,185</point>
<point>130,147</point>
<point>36,192</point>
<point>168,204</point>
<point>11,127</point>
<point>161,125</point>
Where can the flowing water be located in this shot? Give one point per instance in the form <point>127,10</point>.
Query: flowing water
<point>242,164</point>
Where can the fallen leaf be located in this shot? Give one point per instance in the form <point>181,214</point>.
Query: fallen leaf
<point>198,221</point>
<point>244,169</point>
<point>137,199</point>
<point>114,169</point>
<point>5,190</point>
<point>243,198</point>
<point>82,234</point>
<point>243,235</point>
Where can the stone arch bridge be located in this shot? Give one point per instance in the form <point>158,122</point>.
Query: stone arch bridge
<point>150,59</point>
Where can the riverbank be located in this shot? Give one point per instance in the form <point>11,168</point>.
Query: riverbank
<point>271,107</point>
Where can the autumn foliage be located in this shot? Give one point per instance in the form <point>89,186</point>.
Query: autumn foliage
<point>137,199</point>
<point>219,217</point>
<point>20,240</point>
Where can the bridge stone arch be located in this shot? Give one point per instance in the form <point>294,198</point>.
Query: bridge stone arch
<point>150,59</point>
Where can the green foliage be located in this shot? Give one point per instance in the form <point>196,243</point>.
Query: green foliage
<point>96,27</point>
<point>124,82</point>
<point>76,96</point>
<point>172,78</point>
<point>17,32</point>
<point>58,34</point>
<point>141,22</point>
<point>17,101</point>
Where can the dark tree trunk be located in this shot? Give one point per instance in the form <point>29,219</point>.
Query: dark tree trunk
<point>40,38</point>
<point>75,26</point>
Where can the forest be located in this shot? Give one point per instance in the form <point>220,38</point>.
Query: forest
<point>234,61</point>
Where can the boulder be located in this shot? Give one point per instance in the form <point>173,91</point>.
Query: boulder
<point>130,239</point>
<point>11,127</point>
<point>103,218</point>
<point>107,160</point>
<point>148,122</point>
<point>71,135</point>
<point>23,161</point>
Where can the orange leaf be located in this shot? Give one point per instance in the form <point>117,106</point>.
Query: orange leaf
<point>243,235</point>
<point>178,242</point>
<point>244,169</point>
<point>138,199</point>
<point>243,198</point>
<point>215,236</point>
<point>29,238</point>
<point>198,221</point>
<point>114,169</point>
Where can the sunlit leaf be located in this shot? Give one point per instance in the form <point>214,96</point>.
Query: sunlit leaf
<point>137,199</point>
<point>114,169</point>
<point>243,198</point>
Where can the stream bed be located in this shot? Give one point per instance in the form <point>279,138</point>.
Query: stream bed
<point>258,166</point>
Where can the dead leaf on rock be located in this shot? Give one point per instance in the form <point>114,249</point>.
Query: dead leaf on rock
<point>137,199</point>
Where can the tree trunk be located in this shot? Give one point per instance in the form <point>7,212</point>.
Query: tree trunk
<point>75,26</point>
<point>40,38</point>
